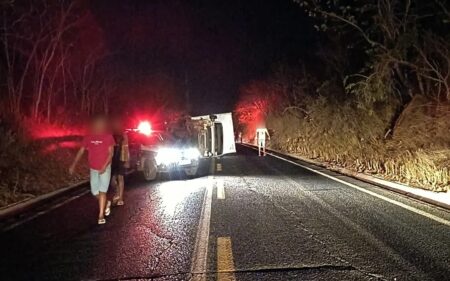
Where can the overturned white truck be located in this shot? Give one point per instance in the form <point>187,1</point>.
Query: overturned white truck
<point>182,147</point>
<point>215,134</point>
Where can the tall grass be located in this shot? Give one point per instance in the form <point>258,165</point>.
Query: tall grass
<point>344,135</point>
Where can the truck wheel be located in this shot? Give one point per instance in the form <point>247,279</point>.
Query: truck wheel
<point>150,171</point>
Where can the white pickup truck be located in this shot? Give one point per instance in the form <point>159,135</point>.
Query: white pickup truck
<point>162,152</point>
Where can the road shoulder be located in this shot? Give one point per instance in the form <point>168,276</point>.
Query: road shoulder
<point>440,199</point>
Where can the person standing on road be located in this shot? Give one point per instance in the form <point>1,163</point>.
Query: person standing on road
<point>120,160</point>
<point>261,134</point>
<point>99,144</point>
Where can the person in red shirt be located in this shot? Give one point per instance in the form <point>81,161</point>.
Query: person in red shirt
<point>100,144</point>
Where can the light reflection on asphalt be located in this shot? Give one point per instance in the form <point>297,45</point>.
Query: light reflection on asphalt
<point>173,193</point>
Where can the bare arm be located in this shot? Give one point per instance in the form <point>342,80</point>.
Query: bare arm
<point>76,160</point>
<point>268,135</point>
<point>125,151</point>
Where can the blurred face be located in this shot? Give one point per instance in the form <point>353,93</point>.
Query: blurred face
<point>261,124</point>
<point>99,126</point>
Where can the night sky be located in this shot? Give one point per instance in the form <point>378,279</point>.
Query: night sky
<point>213,47</point>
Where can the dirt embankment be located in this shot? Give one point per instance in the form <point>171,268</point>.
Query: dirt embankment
<point>31,165</point>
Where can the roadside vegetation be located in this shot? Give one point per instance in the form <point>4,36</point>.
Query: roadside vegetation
<point>373,98</point>
<point>35,162</point>
<point>55,71</point>
<point>50,83</point>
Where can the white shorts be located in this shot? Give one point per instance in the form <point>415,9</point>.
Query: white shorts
<point>262,142</point>
<point>100,182</point>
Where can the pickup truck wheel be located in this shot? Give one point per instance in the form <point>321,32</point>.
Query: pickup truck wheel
<point>150,171</point>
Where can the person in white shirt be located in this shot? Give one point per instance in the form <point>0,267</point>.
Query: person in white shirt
<point>261,134</point>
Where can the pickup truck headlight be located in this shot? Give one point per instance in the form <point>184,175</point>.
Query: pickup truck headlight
<point>167,156</point>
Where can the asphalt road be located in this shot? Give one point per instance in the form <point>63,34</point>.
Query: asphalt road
<point>252,218</point>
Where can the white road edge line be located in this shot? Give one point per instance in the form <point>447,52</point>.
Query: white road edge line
<point>392,201</point>
<point>199,264</point>
<point>220,189</point>
<point>38,214</point>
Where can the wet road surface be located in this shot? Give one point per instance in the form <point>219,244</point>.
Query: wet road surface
<point>251,218</point>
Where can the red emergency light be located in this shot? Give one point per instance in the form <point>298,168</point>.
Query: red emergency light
<point>145,128</point>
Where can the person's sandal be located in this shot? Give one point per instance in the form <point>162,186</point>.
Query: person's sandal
<point>120,203</point>
<point>115,200</point>
<point>108,208</point>
<point>101,221</point>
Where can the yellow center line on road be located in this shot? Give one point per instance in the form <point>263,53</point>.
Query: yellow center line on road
<point>220,189</point>
<point>199,264</point>
<point>225,261</point>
